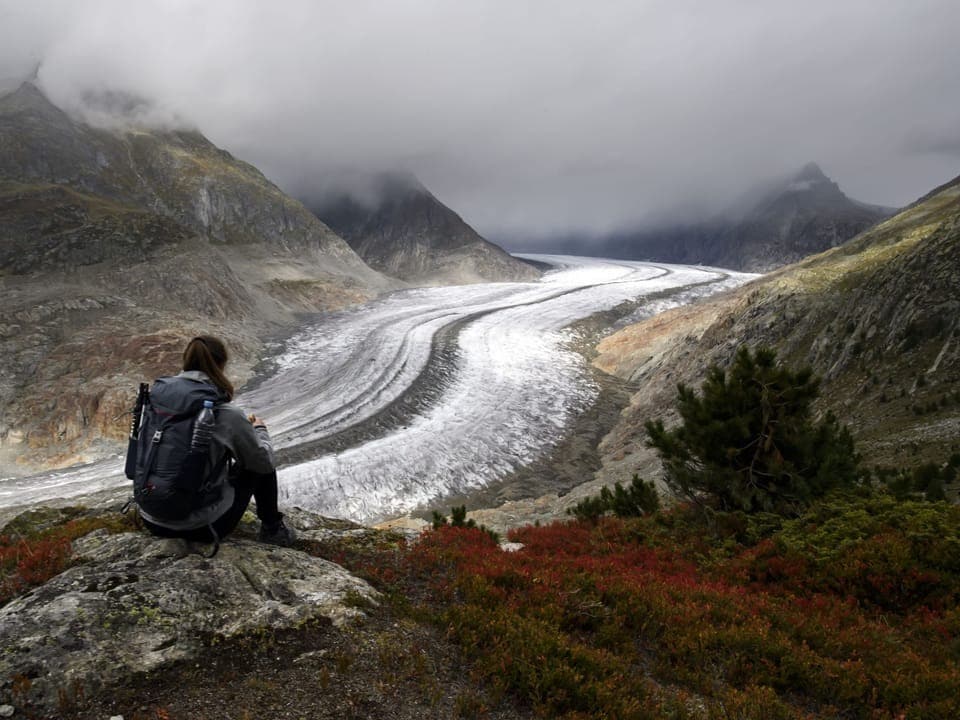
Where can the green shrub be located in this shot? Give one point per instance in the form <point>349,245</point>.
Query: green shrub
<point>458,519</point>
<point>927,481</point>
<point>637,499</point>
<point>896,554</point>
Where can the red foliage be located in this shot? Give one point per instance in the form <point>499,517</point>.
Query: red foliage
<point>24,563</point>
<point>27,562</point>
<point>571,619</point>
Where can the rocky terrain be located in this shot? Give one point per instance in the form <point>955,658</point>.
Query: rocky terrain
<point>403,231</point>
<point>118,243</point>
<point>122,623</point>
<point>132,604</point>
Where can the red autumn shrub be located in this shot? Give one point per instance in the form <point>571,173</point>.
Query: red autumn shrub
<point>26,562</point>
<point>619,619</point>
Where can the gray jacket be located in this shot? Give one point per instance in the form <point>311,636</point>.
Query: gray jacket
<point>249,447</point>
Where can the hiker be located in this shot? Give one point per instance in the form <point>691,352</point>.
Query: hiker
<point>238,464</point>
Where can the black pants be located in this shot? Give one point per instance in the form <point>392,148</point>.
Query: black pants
<point>246,485</point>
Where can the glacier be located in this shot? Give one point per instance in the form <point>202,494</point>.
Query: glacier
<point>383,408</point>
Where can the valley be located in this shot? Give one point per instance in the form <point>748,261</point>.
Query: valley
<point>609,357</point>
<point>426,392</point>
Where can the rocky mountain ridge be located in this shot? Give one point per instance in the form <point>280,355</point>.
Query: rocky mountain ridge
<point>405,232</point>
<point>876,318</point>
<point>115,245</point>
<point>802,215</point>
<point>781,223</point>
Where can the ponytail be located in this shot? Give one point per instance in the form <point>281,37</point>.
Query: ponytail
<point>209,355</point>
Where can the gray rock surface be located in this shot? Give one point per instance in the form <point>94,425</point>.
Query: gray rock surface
<point>135,603</point>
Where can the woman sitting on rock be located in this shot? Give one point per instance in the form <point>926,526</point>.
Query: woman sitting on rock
<point>201,495</point>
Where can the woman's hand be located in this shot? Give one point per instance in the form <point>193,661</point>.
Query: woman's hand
<point>256,421</point>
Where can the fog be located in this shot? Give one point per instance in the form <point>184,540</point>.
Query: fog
<point>528,118</point>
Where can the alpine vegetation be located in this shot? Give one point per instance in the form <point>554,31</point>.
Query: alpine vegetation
<point>749,440</point>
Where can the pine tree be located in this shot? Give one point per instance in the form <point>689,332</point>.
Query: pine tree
<point>748,440</point>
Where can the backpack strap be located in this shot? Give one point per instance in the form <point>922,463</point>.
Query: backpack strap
<point>151,457</point>
<point>216,543</point>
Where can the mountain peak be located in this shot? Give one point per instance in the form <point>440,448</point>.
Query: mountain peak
<point>29,101</point>
<point>794,216</point>
<point>398,183</point>
<point>401,229</point>
<point>812,181</point>
<point>811,172</point>
<point>26,95</point>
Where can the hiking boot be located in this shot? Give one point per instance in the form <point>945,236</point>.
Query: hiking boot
<point>278,534</point>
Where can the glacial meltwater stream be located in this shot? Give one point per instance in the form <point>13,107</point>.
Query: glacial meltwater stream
<point>381,408</point>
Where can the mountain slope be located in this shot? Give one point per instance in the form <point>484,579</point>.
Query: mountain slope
<point>407,233</point>
<point>117,244</point>
<point>878,318</point>
<point>804,214</point>
<point>178,175</point>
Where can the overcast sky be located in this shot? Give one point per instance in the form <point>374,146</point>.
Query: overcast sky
<point>531,117</point>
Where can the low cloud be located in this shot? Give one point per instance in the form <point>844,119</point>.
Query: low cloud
<point>945,142</point>
<point>527,117</point>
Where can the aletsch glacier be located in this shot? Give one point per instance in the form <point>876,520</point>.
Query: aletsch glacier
<point>416,418</point>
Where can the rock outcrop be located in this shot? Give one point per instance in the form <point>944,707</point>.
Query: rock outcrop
<point>405,232</point>
<point>133,603</point>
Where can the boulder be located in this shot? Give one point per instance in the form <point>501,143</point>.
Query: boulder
<point>134,603</point>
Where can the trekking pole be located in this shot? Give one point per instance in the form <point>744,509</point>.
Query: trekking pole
<point>130,466</point>
<point>138,411</point>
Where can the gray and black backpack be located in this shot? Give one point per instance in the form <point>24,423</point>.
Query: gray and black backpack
<point>171,481</point>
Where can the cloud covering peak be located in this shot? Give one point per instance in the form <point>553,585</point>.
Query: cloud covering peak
<point>528,116</point>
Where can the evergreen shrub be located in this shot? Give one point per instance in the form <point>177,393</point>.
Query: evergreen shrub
<point>749,441</point>
<point>637,499</point>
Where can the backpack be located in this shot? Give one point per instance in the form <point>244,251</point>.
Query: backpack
<point>170,481</point>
